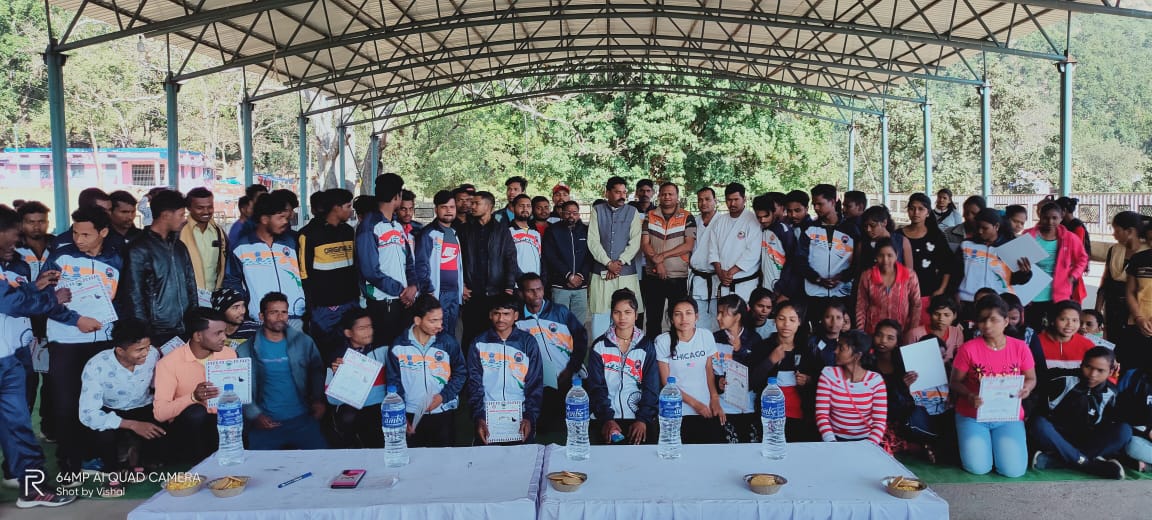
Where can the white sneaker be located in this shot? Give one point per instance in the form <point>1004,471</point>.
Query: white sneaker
<point>10,483</point>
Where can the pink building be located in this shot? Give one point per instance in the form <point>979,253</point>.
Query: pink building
<point>111,169</point>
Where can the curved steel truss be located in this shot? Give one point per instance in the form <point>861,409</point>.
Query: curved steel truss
<point>372,53</point>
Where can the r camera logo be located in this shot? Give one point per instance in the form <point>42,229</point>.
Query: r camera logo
<point>33,478</point>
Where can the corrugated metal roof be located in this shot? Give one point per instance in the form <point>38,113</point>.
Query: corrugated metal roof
<point>380,51</point>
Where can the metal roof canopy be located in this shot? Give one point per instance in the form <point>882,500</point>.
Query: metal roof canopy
<point>372,53</point>
<point>425,59</point>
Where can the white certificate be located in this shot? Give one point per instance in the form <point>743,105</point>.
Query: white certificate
<point>1023,246</point>
<point>90,298</point>
<point>1001,395</point>
<point>236,372</point>
<point>924,359</point>
<point>786,378</point>
<point>354,379</point>
<point>1029,291</point>
<point>504,418</point>
<point>736,389</point>
<point>1099,341</point>
<point>173,344</point>
<point>39,350</point>
<point>204,297</point>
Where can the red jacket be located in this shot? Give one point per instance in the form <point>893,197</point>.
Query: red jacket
<point>1071,261</point>
<point>875,303</point>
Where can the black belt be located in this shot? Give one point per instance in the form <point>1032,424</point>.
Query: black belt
<point>707,276</point>
<point>738,281</point>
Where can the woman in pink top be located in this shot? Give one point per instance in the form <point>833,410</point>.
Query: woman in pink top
<point>994,354</point>
<point>851,401</point>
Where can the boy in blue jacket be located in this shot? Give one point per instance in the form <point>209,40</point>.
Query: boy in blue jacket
<point>427,367</point>
<point>74,339</point>
<point>358,427</point>
<point>563,345</point>
<point>504,367</point>
<point>21,298</point>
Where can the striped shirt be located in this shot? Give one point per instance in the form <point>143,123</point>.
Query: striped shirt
<point>849,410</point>
<point>527,244</point>
<point>666,233</point>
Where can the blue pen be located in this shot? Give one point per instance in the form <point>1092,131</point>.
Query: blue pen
<point>295,480</point>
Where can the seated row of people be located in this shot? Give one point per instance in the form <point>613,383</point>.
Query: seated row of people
<point>842,384</point>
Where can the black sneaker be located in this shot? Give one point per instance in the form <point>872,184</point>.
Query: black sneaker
<point>45,500</point>
<point>1110,468</point>
<point>1040,460</point>
<point>1043,460</point>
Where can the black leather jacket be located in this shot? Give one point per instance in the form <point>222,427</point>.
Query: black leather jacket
<point>157,284</point>
<point>490,265</point>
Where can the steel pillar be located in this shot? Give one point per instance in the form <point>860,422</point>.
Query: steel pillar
<point>927,109</point>
<point>374,156</point>
<point>884,159</point>
<point>342,143</point>
<point>1065,68</point>
<point>985,91</point>
<point>54,63</point>
<point>851,157</point>
<point>302,136</point>
<point>171,89</point>
<point>246,140</point>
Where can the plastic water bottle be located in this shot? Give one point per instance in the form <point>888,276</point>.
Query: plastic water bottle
<point>772,420</point>
<point>230,426</point>
<point>576,411</point>
<point>671,410</point>
<point>395,425</point>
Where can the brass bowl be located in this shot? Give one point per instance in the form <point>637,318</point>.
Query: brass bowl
<point>760,484</point>
<point>183,484</point>
<point>227,487</point>
<point>904,487</point>
<point>567,481</point>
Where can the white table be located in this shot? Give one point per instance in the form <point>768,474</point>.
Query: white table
<point>838,481</point>
<point>494,482</point>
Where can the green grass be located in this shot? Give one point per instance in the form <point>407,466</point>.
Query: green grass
<point>948,474</point>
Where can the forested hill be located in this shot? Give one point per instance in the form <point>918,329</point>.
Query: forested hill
<point>115,100</point>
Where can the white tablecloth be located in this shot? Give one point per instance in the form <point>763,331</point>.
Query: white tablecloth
<point>838,481</point>
<point>495,482</point>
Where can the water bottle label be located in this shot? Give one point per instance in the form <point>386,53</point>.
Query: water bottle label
<point>671,408</point>
<point>772,408</point>
<point>395,419</point>
<point>229,416</point>
<point>577,412</point>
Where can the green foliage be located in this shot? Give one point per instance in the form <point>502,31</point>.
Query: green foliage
<point>584,139</point>
<point>114,98</point>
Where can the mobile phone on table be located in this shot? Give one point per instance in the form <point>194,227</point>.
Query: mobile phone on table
<point>348,479</point>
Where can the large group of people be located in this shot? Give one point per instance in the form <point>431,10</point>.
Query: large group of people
<point>487,305</point>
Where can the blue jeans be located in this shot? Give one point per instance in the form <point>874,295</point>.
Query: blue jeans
<point>450,302</point>
<point>1103,441</point>
<point>21,449</point>
<point>301,433</point>
<point>324,325</point>
<point>1140,448</point>
<point>982,444</point>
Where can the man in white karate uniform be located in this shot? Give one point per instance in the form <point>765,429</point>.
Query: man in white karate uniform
<point>734,245</point>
